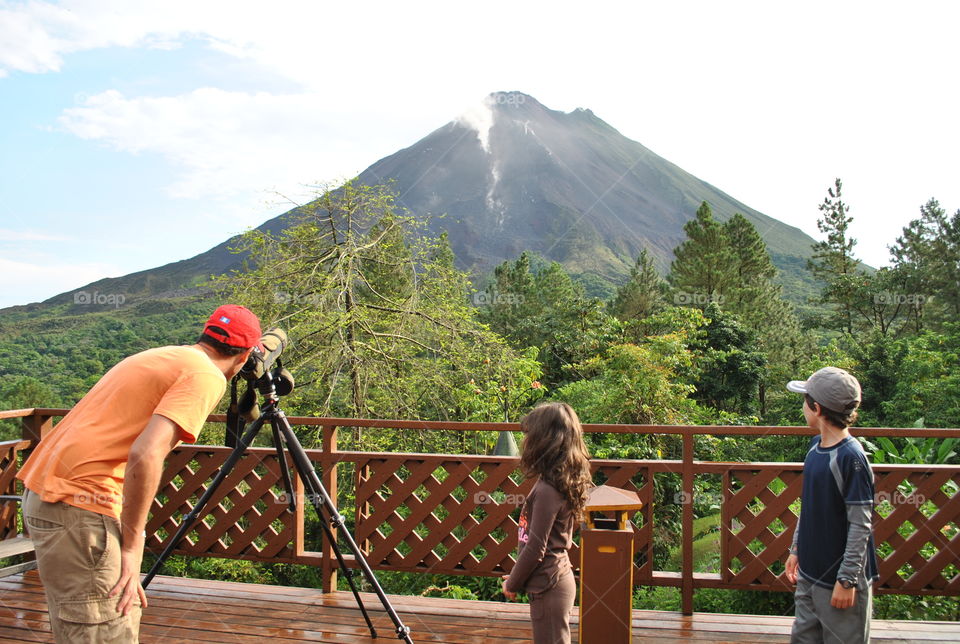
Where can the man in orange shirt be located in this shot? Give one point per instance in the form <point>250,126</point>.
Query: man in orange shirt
<point>90,481</point>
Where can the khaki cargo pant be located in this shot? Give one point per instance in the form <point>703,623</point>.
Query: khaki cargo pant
<point>78,554</point>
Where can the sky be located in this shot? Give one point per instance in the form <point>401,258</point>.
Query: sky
<point>133,134</point>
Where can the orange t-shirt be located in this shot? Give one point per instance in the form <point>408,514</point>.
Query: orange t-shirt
<point>82,460</point>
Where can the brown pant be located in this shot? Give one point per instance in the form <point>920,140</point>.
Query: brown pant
<point>550,611</point>
<point>78,554</point>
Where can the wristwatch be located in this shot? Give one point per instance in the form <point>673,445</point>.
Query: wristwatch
<point>846,583</point>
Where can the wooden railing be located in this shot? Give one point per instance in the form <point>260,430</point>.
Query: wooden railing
<point>456,514</point>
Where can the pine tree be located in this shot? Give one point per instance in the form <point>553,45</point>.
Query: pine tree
<point>833,261</point>
<point>728,264</point>
<point>753,271</point>
<point>643,294</point>
<point>926,258</point>
<point>702,267</point>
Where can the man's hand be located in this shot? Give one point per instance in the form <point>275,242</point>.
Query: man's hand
<point>144,466</point>
<point>128,587</point>
<point>843,597</point>
<point>791,571</point>
<point>506,593</point>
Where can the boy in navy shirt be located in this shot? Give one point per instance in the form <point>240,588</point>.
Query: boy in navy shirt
<point>833,560</point>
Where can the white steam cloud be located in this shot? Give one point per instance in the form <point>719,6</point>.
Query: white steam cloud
<point>480,119</point>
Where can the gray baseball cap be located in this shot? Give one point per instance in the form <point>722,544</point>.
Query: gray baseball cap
<point>831,387</point>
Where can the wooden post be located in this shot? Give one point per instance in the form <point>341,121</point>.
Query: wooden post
<point>606,566</point>
<point>328,566</point>
<point>686,588</point>
<point>299,527</point>
<point>34,426</point>
<point>726,520</point>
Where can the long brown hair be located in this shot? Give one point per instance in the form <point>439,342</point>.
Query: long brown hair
<point>553,449</point>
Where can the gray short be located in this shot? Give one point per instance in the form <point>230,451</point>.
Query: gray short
<point>817,621</point>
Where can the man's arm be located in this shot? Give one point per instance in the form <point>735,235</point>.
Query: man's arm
<point>144,466</point>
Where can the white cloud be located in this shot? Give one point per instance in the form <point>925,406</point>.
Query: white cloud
<point>225,143</point>
<point>22,282</point>
<point>8,235</point>
<point>745,98</point>
<point>37,35</point>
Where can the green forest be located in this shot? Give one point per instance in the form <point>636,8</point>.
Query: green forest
<point>384,325</point>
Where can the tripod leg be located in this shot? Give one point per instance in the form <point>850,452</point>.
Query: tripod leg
<point>321,501</point>
<point>284,470</point>
<point>188,520</point>
<point>313,495</point>
<point>328,528</point>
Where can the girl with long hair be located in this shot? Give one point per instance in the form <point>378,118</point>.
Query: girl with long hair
<point>554,453</point>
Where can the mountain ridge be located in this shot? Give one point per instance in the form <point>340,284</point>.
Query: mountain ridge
<point>508,176</point>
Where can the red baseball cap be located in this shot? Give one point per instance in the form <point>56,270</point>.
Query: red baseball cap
<point>234,325</point>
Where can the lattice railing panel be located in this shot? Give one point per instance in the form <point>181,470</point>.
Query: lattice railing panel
<point>916,529</point>
<point>916,526</point>
<point>9,466</point>
<point>439,514</point>
<point>757,524</point>
<point>247,517</point>
<point>458,515</point>
<point>635,476</point>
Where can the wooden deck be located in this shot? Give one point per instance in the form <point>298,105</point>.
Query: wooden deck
<point>191,610</point>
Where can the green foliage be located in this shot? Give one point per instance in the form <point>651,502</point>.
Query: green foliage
<point>449,592</point>
<point>859,299</point>
<point>384,325</point>
<point>428,585</point>
<point>833,262</point>
<point>911,378</point>
<point>932,451</point>
<point>911,607</point>
<point>714,600</point>
<point>927,258</point>
<point>730,366</point>
<point>68,352</point>
<point>634,384</point>
<point>727,265</point>
<point>501,391</point>
<point>23,392</point>
<point>378,310</point>
<point>644,293</point>
<point>543,307</point>
<point>701,270</point>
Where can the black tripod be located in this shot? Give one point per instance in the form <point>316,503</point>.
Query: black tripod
<point>315,492</point>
